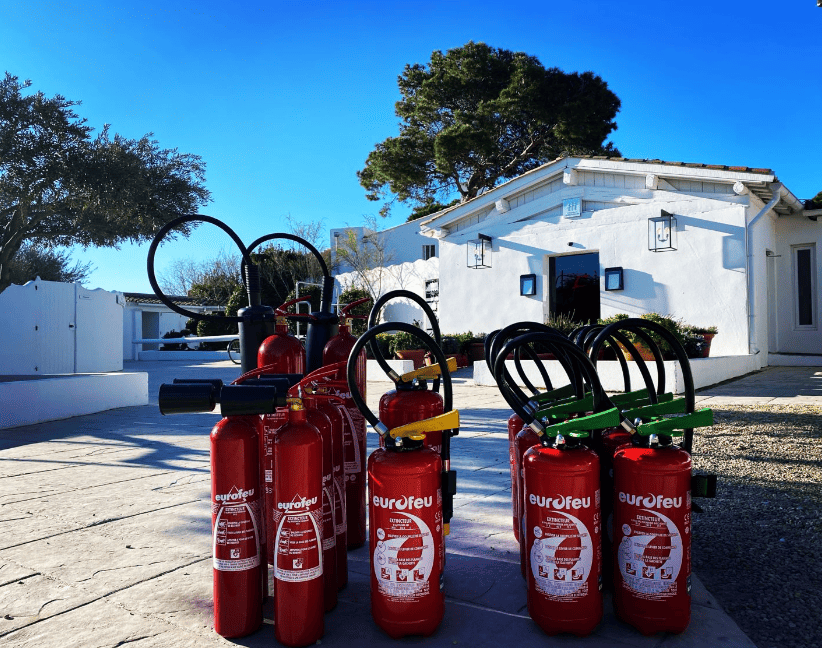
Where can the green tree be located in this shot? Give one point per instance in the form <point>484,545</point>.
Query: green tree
<point>60,186</point>
<point>815,202</point>
<point>478,115</point>
<point>34,261</point>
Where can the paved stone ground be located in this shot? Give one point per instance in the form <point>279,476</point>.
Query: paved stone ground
<point>105,538</point>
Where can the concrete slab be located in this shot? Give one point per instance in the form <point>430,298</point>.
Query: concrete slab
<point>102,624</point>
<point>117,546</point>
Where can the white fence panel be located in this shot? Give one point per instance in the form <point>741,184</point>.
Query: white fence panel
<point>55,323</point>
<point>99,317</point>
<point>48,327</point>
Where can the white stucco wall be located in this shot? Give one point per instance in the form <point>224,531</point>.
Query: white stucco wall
<point>702,282</point>
<point>403,276</point>
<point>404,243</point>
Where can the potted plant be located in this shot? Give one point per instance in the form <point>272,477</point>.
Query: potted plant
<point>698,340</point>
<point>407,347</point>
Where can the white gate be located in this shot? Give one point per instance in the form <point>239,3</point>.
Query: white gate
<point>48,327</point>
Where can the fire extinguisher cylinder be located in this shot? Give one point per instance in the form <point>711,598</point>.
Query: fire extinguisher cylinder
<point>652,539</point>
<point>562,527</point>
<point>297,541</point>
<point>406,516</point>
<point>236,526</point>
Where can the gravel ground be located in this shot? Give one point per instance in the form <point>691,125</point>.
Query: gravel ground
<point>758,544</point>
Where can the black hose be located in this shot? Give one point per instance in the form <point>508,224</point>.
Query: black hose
<point>581,361</point>
<point>375,312</point>
<point>152,250</point>
<point>359,345</point>
<point>632,324</point>
<point>518,328</point>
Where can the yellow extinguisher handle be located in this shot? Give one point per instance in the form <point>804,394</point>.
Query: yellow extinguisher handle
<point>431,371</point>
<point>417,429</point>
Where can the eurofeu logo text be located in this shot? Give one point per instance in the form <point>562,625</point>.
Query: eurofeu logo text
<point>235,495</point>
<point>559,502</point>
<point>401,504</point>
<point>650,500</point>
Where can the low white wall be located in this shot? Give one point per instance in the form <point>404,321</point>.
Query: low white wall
<point>706,372</point>
<point>25,402</point>
<point>374,373</point>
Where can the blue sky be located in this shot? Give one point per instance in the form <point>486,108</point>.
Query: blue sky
<point>284,100</point>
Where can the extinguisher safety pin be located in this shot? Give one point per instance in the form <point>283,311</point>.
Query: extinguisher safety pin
<point>417,429</point>
<point>431,371</point>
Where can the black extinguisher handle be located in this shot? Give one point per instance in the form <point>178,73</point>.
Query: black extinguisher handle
<point>500,372</point>
<point>582,363</point>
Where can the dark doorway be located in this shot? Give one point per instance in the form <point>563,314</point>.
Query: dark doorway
<point>574,286</point>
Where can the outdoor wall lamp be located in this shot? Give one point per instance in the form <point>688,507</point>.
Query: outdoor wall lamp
<point>528,285</point>
<point>662,233</point>
<point>479,252</point>
<point>614,279</point>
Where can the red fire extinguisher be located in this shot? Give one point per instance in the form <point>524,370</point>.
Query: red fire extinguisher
<point>561,503</point>
<point>493,344</point>
<point>406,512</point>
<point>316,416</point>
<point>236,519</point>
<point>282,352</point>
<point>333,382</point>
<point>339,346</point>
<point>318,388</point>
<point>298,553</point>
<point>652,506</point>
<point>652,527</point>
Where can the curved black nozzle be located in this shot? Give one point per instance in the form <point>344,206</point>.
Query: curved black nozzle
<point>254,322</point>
<point>500,372</point>
<point>620,343</point>
<point>375,312</point>
<point>635,325</point>
<point>534,357</point>
<point>322,325</point>
<point>581,364</point>
<point>152,250</point>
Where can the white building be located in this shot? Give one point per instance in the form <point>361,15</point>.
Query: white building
<point>720,246</point>
<point>146,317</point>
<point>403,243</point>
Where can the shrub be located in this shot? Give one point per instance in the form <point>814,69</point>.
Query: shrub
<point>350,295</point>
<point>174,347</point>
<point>215,327</point>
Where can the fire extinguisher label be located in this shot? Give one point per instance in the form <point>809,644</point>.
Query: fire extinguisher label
<point>650,554</point>
<point>237,529</point>
<point>352,442</point>
<point>403,556</point>
<point>298,541</point>
<point>329,519</point>
<point>339,506</point>
<point>561,555</point>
